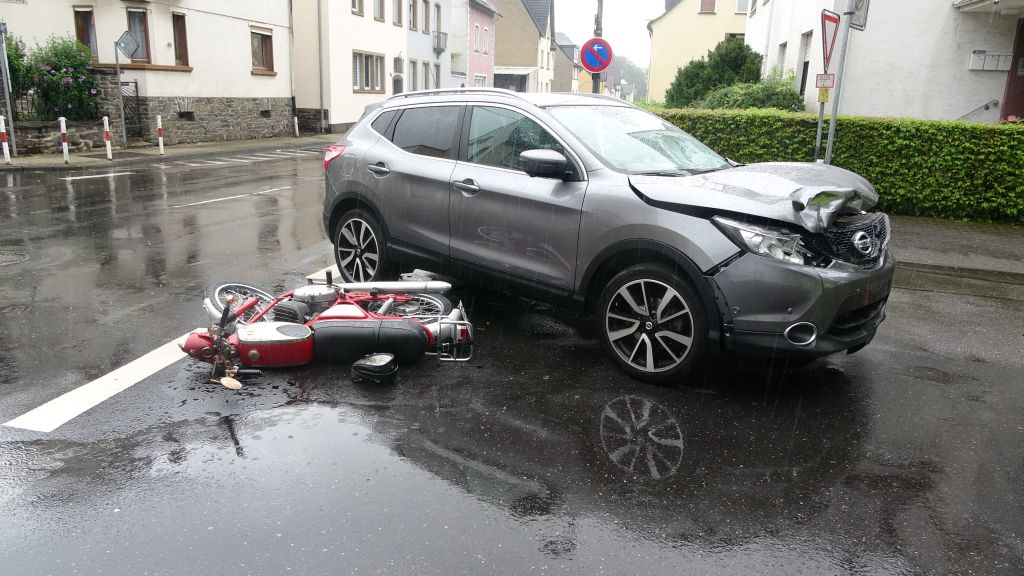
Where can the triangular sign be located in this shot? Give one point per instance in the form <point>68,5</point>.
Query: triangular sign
<point>829,31</point>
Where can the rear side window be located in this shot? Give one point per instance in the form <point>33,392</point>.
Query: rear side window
<point>497,136</point>
<point>428,131</point>
<point>383,121</point>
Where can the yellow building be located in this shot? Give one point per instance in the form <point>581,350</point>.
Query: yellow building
<point>687,31</point>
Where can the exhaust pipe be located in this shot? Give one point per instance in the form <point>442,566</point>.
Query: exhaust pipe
<point>801,334</point>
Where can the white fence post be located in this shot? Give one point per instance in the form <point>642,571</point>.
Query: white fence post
<point>160,133</point>
<point>64,138</point>
<point>106,137</point>
<point>295,119</point>
<point>3,137</point>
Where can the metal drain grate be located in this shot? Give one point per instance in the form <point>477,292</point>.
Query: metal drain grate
<point>8,257</point>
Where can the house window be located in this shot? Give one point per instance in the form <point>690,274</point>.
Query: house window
<point>367,72</point>
<point>378,10</point>
<point>487,39</point>
<point>262,50</point>
<point>413,80</point>
<point>804,63</point>
<point>357,7</point>
<point>396,18</point>
<point>741,6</point>
<point>707,6</point>
<point>437,17</point>
<point>413,16</point>
<point>476,38</point>
<point>180,40</point>
<point>138,25</point>
<point>85,28</point>
<point>426,16</point>
<point>782,58</point>
<point>426,75</point>
<point>731,35</point>
<point>437,75</point>
<point>480,81</point>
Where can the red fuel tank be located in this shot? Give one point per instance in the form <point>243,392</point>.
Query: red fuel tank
<point>273,344</point>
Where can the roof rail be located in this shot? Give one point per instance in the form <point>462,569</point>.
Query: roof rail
<point>447,91</point>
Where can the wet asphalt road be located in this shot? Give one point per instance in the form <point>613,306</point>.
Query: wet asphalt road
<point>536,458</point>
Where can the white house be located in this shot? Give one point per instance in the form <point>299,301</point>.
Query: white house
<point>352,54</point>
<point>211,70</point>
<point>428,60</point>
<point>931,59</point>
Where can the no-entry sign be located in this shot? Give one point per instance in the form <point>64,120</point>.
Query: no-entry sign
<point>596,55</point>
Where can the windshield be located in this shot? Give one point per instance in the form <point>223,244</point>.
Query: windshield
<point>630,140</point>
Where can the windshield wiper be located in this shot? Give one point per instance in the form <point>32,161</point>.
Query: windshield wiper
<point>664,173</point>
<point>706,170</point>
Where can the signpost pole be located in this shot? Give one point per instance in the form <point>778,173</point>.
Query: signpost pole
<point>821,122</point>
<point>847,18</point>
<point>596,76</point>
<point>7,83</point>
<point>120,97</point>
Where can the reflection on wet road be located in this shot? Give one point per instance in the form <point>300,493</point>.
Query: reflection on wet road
<point>537,458</point>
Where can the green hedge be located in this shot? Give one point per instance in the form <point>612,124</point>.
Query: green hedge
<point>944,169</point>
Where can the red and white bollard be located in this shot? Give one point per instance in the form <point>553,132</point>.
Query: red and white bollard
<point>106,137</point>
<point>3,137</point>
<point>160,133</point>
<point>64,138</point>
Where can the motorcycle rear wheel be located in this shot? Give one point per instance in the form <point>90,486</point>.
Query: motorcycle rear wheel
<point>418,306</point>
<point>219,293</point>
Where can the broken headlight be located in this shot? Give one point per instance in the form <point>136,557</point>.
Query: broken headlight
<point>765,241</point>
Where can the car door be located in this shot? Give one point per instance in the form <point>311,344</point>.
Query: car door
<point>411,169</point>
<point>501,219</point>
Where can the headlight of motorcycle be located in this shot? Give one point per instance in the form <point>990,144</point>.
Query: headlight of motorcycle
<point>764,241</point>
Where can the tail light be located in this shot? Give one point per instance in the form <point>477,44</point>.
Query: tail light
<point>332,153</point>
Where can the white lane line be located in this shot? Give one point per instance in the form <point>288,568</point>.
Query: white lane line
<point>187,163</point>
<point>231,197</point>
<point>294,152</point>
<point>97,176</point>
<point>56,412</point>
<point>269,155</point>
<point>210,161</point>
<point>253,158</point>
<point>233,160</point>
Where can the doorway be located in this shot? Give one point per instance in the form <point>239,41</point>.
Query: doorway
<point>1013,100</point>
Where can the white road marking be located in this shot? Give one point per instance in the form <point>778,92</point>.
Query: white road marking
<point>188,163</point>
<point>210,161</point>
<point>233,160</point>
<point>231,197</point>
<point>295,152</point>
<point>252,158</point>
<point>58,411</point>
<point>97,176</point>
<point>268,155</point>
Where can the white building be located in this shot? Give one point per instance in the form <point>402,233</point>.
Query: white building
<point>213,71</point>
<point>931,59</point>
<point>428,60</point>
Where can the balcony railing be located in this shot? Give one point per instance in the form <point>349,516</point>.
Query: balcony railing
<point>440,42</point>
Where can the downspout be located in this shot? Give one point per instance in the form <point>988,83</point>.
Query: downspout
<point>291,56</point>
<point>320,59</point>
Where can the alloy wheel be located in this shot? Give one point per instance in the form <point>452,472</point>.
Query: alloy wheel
<point>649,325</point>
<point>358,251</point>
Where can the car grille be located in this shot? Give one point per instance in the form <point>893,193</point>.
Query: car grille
<point>852,321</point>
<point>838,241</point>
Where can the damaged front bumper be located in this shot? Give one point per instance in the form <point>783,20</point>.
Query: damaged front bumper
<point>770,307</point>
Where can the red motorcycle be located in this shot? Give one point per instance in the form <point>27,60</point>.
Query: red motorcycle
<point>252,330</point>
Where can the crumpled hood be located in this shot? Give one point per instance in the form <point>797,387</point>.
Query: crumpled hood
<point>806,194</point>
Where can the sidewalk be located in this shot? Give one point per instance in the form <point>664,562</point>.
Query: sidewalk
<point>96,157</point>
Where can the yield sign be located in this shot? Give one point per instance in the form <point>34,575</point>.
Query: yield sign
<point>829,31</point>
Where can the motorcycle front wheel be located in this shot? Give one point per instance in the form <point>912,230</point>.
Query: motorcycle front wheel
<point>219,294</point>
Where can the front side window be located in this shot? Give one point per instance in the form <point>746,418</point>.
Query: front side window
<point>138,25</point>
<point>428,131</point>
<point>85,28</point>
<point>497,136</point>
<point>633,141</point>
<point>262,50</point>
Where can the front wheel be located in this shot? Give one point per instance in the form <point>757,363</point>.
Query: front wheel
<point>414,306</point>
<point>652,322</point>
<point>359,247</point>
<point>219,294</point>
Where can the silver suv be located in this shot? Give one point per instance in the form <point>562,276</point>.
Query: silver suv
<point>590,202</point>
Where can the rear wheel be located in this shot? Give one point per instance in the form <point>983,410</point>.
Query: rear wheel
<point>652,322</point>
<point>218,295</point>
<point>415,305</point>
<point>359,247</point>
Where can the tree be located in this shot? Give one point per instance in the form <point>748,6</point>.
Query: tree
<point>731,62</point>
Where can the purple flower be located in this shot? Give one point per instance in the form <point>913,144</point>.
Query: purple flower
<point>92,91</point>
<point>65,81</point>
<point>69,105</point>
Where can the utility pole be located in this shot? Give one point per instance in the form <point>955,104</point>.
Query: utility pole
<point>596,77</point>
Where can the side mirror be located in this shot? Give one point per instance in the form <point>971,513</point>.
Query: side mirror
<point>543,163</point>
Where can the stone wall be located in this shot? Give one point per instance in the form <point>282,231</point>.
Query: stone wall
<point>309,119</point>
<point>44,137</point>
<point>189,120</point>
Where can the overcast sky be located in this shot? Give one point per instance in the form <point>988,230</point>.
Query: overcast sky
<point>625,24</point>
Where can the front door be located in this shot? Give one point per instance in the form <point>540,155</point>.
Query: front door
<point>1013,100</point>
<point>504,221</point>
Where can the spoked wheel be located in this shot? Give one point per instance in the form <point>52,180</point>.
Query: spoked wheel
<point>652,322</point>
<point>358,248</point>
<point>417,305</point>
<point>219,294</point>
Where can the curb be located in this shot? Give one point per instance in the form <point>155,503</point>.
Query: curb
<point>157,159</point>
<point>966,273</point>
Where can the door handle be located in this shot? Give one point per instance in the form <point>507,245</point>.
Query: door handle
<point>467,187</point>
<point>379,169</point>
